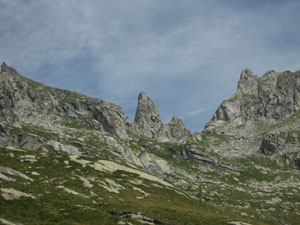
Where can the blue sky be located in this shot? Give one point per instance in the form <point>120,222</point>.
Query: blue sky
<point>187,55</point>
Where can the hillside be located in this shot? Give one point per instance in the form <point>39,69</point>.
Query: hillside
<point>70,159</point>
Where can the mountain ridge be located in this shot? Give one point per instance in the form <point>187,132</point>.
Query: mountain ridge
<point>244,165</point>
<point>115,123</point>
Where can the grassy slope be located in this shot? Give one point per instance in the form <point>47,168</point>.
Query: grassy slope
<point>54,206</point>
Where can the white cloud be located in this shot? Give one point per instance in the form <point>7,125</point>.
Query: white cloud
<point>197,112</point>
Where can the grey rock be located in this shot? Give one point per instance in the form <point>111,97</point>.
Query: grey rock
<point>3,130</point>
<point>178,130</point>
<point>5,139</point>
<point>32,143</point>
<point>207,165</point>
<point>270,98</point>
<point>61,148</point>
<point>271,143</point>
<point>292,161</point>
<point>147,122</point>
<point>128,123</point>
<point>297,163</point>
<point>248,83</point>
<point>197,156</point>
<point>238,223</point>
<point>147,117</point>
<point>20,96</point>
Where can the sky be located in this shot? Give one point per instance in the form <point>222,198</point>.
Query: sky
<point>187,55</point>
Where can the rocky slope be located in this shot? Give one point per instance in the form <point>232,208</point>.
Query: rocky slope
<point>58,146</point>
<point>264,110</point>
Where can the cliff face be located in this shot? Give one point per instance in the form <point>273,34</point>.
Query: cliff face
<point>21,97</point>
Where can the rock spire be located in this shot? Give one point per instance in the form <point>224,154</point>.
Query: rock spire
<point>147,117</point>
<point>147,122</point>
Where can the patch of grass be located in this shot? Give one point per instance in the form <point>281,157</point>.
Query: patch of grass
<point>289,120</point>
<point>292,138</point>
<point>34,85</point>
<point>29,114</point>
<point>165,154</point>
<point>215,139</point>
<point>70,97</point>
<point>240,126</point>
<point>35,130</point>
<point>76,125</point>
<point>243,97</point>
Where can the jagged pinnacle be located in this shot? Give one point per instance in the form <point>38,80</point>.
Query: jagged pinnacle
<point>146,110</point>
<point>247,83</point>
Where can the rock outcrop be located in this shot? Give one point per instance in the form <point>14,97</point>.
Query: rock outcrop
<point>270,98</point>
<point>147,118</point>
<point>247,84</point>
<point>177,129</point>
<point>21,97</point>
<point>270,143</point>
<point>263,116</point>
<point>148,123</point>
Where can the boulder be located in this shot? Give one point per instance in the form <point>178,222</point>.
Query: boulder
<point>270,143</point>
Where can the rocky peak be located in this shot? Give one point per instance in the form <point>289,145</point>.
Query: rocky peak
<point>146,110</point>
<point>147,122</point>
<point>147,118</point>
<point>248,83</point>
<point>268,83</point>
<point>270,98</point>
<point>177,122</point>
<point>178,130</point>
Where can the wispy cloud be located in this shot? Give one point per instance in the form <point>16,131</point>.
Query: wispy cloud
<point>197,112</point>
<point>184,54</point>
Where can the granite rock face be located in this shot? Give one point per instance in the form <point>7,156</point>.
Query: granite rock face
<point>147,118</point>
<point>247,83</point>
<point>20,96</point>
<point>270,98</point>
